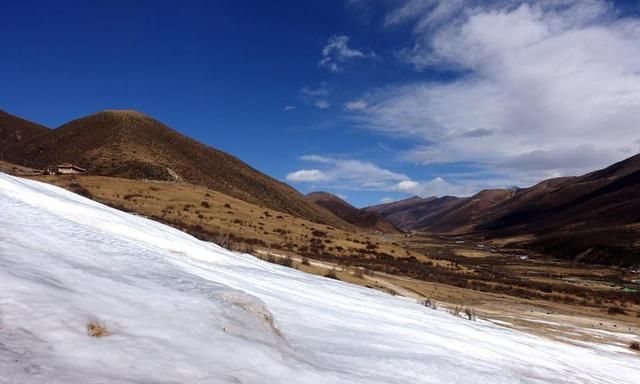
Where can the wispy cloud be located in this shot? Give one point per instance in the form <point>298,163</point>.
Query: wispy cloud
<point>336,52</point>
<point>545,87</point>
<point>356,105</point>
<point>289,108</point>
<point>362,175</point>
<point>322,104</point>
<point>321,90</point>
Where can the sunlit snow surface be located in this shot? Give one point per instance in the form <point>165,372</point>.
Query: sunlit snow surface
<point>184,311</point>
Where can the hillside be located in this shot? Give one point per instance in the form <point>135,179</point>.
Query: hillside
<point>593,218</point>
<point>406,214</point>
<point>463,214</point>
<point>212,215</point>
<point>133,145</point>
<point>358,217</point>
<point>15,130</point>
<point>104,281</point>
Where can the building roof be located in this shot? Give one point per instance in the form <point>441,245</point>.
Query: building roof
<point>69,165</point>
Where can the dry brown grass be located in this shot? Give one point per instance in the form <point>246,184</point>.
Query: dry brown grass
<point>222,218</point>
<point>97,330</point>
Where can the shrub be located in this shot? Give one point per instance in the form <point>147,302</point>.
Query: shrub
<point>205,204</point>
<point>317,233</point>
<point>635,346</point>
<point>462,311</point>
<point>430,303</point>
<point>286,261</point>
<point>223,240</point>
<point>470,313</point>
<point>76,187</point>
<point>331,274</point>
<point>616,311</point>
<point>305,261</point>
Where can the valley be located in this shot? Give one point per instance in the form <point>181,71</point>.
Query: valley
<point>527,291</point>
<point>495,254</point>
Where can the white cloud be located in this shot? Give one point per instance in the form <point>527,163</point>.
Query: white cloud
<point>337,52</point>
<point>549,87</point>
<point>321,90</point>
<point>322,104</point>
<point>386,200</point>
<point>356,105</point>
<point>317,96</point>
<point>406,186</point>
<point>350,173</point>
<point>289,108</point>
<point>307,175</point>
<point>360,175</point>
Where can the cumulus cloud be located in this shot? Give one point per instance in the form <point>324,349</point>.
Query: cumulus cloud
<point>386,200</point>
<point>336,52</point>
<point>349,172</point>
<point>545,87</point>
<point>307,175</point>
<point>353,174</point>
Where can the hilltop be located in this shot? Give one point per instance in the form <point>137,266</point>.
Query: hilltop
<point>131,144</point>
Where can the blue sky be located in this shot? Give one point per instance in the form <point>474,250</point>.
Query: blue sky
<point>371,100</point>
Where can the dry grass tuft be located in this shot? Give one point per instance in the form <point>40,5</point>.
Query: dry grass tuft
<point>95,329</point>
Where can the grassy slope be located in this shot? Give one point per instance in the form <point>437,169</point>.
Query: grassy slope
<point>133,145</point>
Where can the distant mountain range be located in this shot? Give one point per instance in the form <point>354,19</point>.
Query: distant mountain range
<point>133,145</point>
<point>591,218</point>
<point>359,217</point>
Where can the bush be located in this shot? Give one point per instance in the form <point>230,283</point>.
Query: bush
<point>430,303</point>
<point>286,261</point>
<point>462,311</point>
<point>331,274</point>
<point>305,261</point>
<point>616,311</point>
<point>223,240</point>
<point>635,346</point>
<point>205,204</point>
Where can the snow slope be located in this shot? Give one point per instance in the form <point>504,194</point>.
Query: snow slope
<point>183,311</point>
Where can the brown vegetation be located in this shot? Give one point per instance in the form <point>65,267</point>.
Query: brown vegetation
<point>95,329</point>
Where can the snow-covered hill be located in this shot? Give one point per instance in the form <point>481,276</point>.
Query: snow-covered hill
<point>179,310</point>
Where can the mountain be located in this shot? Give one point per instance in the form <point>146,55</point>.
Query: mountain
<point>593,218</point>
<point>133,145</point>
<point>406,214</point>
<point>358,217</point>
<point>14,130</point>
<point>186,311</point>
<point>462,214</point>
